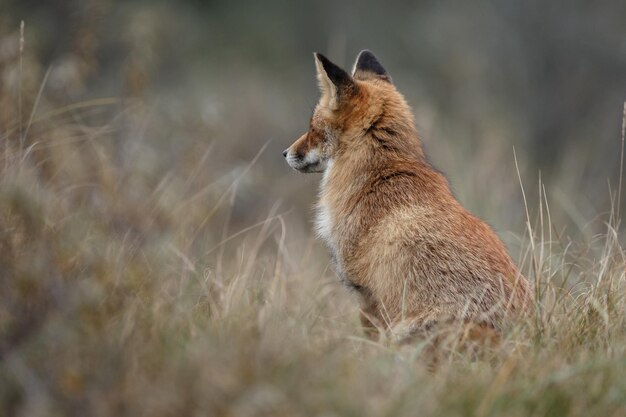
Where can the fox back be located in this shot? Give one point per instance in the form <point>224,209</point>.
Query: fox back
<point>395,232</point>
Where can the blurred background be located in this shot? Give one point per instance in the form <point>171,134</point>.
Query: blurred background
<point>152,235</point>
<point>484,78</point>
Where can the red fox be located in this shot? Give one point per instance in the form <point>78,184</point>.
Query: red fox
<point>396,233</point>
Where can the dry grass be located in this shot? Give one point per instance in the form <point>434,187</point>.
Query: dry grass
<point>131,286</point>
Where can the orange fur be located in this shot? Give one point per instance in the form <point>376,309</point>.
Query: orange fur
<point>395,231</point>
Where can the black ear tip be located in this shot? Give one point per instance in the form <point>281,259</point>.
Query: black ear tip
<point>366,61</point>
<point>337,75</point>
<point>366,53</point>
<point>321,58</point>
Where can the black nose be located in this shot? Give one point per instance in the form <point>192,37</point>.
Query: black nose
<point>285,152</point>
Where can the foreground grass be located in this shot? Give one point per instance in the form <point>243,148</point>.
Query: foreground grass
<point>129,287</point>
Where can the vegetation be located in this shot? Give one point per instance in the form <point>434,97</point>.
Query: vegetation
<point>158,261</point>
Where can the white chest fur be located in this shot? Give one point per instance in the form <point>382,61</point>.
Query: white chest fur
<point>323,222</point>
<point>324,219</point>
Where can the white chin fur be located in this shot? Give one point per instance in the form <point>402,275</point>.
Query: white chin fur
<point>310,163</point>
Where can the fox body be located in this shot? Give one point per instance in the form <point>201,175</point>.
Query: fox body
<point>395,232</point>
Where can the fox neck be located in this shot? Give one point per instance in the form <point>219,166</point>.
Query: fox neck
<point>344,211</point>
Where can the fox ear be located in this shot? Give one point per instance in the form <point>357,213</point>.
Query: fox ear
<point>367,67</point>
<point>334,82</point>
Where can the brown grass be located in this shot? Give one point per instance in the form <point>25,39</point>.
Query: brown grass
<point>131,285</point>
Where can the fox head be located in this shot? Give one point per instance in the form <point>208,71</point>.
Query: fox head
<point>351,107</point>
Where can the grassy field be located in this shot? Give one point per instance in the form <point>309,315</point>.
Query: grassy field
<point>130,287</point>
<point>159,261</point>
